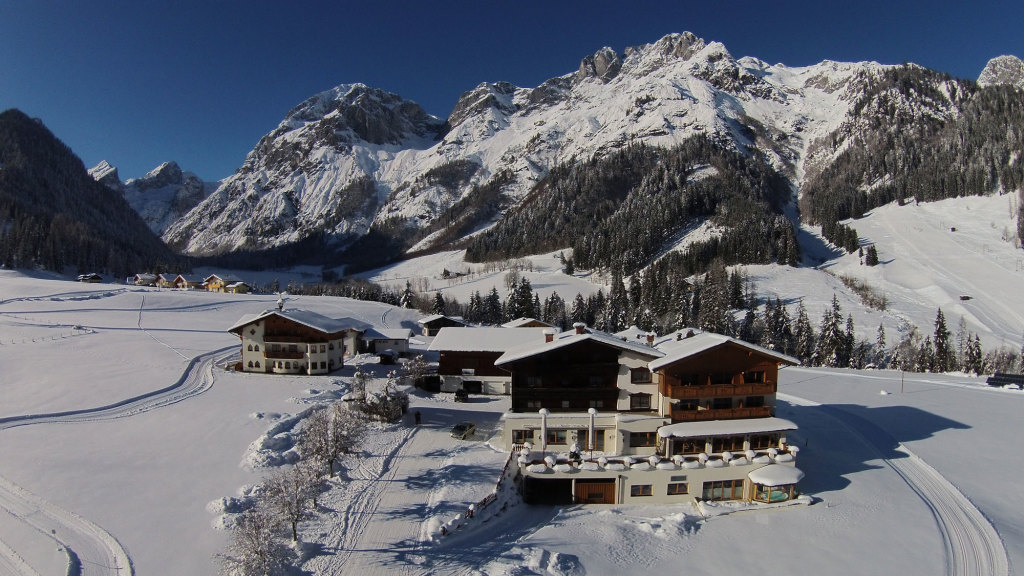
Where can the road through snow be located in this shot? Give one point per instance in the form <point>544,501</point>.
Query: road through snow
<point>972,545</point>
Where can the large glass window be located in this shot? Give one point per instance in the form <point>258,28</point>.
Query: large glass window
<point>522,436</point>
<point>730,443</point>
<point>764,493</point>
<point>688,445</point>
<point>723,490</point>
<point>584,442</point>
<point>763,441</point>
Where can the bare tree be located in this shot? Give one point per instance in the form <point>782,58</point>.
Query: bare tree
<point>289,495</point>
<point>257,546</point>
<point>331,433</point>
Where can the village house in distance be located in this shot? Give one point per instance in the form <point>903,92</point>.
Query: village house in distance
<point>597,418</point>
<point>296,341</point>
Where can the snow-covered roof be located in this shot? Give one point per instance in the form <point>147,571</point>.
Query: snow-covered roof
<point>525,322</point>
<point>387,334</point>
<point>225,279</point>
<point>572,337</point>
<point>485,339</point>
<point>706,341</point>
<point>434,317</point>
<point>307,318</point>
<point>776,475</point>
<point>725,427</point>
<point>236,284</point>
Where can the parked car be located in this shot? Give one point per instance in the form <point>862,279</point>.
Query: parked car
<point>461,396</point>
<point>464,430</point>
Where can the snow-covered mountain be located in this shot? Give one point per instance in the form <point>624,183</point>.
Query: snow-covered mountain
<point>1008,70</point>
<point>164,195</point>
<point>357,163</point>
<point>355,156</point>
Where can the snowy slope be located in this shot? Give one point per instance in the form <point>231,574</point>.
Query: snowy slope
<point>354,156</point>
<point>908,477</point>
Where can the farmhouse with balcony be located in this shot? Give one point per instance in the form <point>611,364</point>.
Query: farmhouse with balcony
<point>215,283</point>
<point>702,426</point>
<point>467,355</point>
<point>296,341</point>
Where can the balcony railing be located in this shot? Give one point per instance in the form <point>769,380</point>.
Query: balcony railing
<point>718,390</point>
<point>721,414</point>
<point>282,355</point>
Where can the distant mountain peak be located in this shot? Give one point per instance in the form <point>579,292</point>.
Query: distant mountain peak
<point>107,175</point>
<point>1008,70</point>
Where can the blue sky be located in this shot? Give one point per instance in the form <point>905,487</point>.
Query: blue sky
<point>140,82</point>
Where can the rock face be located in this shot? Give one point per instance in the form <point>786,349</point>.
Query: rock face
<point>161,197</point>
<point>355,160</point>
<point>1008,70</point>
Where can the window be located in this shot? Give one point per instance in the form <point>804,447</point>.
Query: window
<point>640,490</point>
<point>250,347</point>
<point>754,401</point>
<point>762,441</point>
<point>565,404</point>
<point>754,377</point>
<point>330,346</point>
<point>685,405</point>
<point>596,381</point>
<point>323,365</point>
<point>689,445</point>
<point>688,379</point>
<point>556,437</point>
<point>639,375</point>
<point>723,490</point>
<point>257,363</point>
<point>293,348</point>
<point>639,401</point>
<point>534,404</point>
<point>250,363</point>
<point>730,443</point>
<point>677,488</point>
<point>257,347</point>
<point>287,365</point>
<point>721,378</point>
<point>721,404</point>
<point>533,382</point>
<point>640,439</point>
<point>584,441</point>
<point>323,348</point>
<point>522,436</point>
<point>773,493</point>
<point>597,403</point>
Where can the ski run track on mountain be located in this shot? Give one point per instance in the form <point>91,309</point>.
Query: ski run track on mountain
<point>972,545</point>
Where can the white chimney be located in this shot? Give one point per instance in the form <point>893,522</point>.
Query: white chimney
<point>280,303</point>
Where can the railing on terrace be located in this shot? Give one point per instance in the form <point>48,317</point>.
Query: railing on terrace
<point>282,355</point>
<point>291,338</point>
<point>721,414</point>
<point>718,390</point>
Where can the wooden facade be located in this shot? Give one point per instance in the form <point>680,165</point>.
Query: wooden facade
<point>569,379</point>
<point>726,382</point>
<point>481,363</point>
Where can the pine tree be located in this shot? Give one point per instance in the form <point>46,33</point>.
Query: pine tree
<point>492,311</point>
<point>871,257</point>
<point>439,305</point>
<point>831,340</point>
<point>926,357</point>
<point>943,359</point>
<point>408,299</point>
<point>803,333</point>
<point>881,354</point>
<point>973,356</point>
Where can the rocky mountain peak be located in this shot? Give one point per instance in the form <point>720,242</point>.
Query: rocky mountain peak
<point>497,96</point>
<point>107,175</point>
<point>603,65</point>
<point>166,174</point>
<point>1008,70</point>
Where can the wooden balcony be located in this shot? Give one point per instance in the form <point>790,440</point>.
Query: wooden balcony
<point>721,414</point>
<point>718,390</point>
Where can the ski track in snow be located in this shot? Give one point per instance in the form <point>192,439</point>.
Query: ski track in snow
<point>972,545</point>
<point>90,549</point>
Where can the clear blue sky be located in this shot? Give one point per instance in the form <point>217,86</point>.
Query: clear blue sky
<point>140,82</point>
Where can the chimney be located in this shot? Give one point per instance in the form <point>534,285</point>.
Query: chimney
<point>549,335</point>
<point>650,339</point>
<point>280,303</point>
<point>580,327</point>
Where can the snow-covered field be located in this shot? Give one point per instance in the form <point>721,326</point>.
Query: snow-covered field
<point>121,436</point>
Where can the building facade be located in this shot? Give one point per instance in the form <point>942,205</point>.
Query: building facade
<point>296,341</point>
